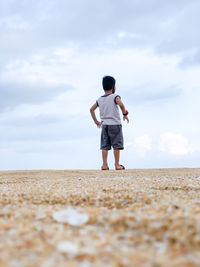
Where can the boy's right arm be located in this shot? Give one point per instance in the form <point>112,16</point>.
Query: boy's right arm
<point>123,109</point>
<point>92,109</point>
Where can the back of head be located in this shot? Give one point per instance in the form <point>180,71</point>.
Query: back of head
<point>108,83</point>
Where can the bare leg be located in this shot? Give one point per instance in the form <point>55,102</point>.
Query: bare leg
<point>104,157</point>
<point>117,154</point>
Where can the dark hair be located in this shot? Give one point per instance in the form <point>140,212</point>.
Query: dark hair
<point>108,83</point>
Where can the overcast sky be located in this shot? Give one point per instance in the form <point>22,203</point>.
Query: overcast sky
<point>53,55</point>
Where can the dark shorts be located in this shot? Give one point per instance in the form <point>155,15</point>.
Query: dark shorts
<point>111,136</point>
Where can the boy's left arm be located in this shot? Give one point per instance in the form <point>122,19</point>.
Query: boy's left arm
<point>92,109</point>
<point>123,109</point>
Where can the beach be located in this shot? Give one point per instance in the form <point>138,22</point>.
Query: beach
<point>144,217</point>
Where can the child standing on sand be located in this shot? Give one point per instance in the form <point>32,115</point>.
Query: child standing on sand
<point>111,135</point>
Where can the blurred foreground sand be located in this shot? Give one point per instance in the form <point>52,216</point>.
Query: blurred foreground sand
<point>147,218</point>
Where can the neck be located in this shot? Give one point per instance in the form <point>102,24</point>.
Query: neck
<point>108,92</point>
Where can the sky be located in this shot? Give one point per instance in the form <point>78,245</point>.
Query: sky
<point>53,55</point>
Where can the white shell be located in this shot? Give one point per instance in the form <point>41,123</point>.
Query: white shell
<point>71,217</point>
<point>68,247</point>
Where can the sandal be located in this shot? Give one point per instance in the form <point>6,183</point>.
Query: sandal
<point>120,168</point>
<point>104,169</point>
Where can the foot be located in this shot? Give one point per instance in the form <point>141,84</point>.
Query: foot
<point>119,167</point>
<point>104,168</point>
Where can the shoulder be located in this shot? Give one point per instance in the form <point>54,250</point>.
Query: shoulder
<point>116,96</point>
<point>99,100</point>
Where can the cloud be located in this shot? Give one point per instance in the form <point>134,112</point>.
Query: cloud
<point>141,144</point>
<point>154,93</point>
<point>163,94</point>
<point>180,34</point>
<point>14,94</point>
<point>31,120</point>
<point>174,144</point>
<point>36,25</point>
<point>191,59</point>
<point>14,23</point>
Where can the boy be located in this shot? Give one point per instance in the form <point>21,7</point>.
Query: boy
<point>111,135</point>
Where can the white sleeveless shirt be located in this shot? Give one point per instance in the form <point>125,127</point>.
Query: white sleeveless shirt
<point>109,110</point>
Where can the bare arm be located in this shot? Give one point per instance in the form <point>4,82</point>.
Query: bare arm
<point>123,109</point>
<point>92,112</point>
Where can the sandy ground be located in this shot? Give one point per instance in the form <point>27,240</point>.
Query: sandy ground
<point>147,218</point>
